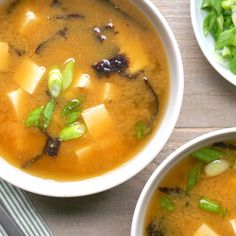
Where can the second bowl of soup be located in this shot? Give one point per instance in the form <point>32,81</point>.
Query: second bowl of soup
<point>88,100</point>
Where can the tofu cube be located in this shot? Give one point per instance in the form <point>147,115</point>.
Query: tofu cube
<point>83,81</point>
<point>19,99</point>
<point>205,230</point>
<point>131,45</point>
<point>4,56</point>
<point>86,151</point>
<point>28,19</point>
<point>108,92</point>
<point>98,121</point>
<point>233,224</point>
<point>28,75</point>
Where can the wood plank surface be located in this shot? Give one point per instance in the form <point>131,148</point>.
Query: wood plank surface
<point>209,104</point>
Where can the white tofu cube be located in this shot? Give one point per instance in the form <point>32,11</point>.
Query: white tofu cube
<point>205,230</point>
<point>28,20</point>
<point>108,92</point>
<point>233,224</point>
<point>83,81</point>
<point>19,100</point>
<point>131,45</point>
<point>4,56</point>
<point>28,75</point>
<point>98,121</point>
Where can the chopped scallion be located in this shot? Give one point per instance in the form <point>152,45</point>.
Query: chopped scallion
<point>68,73</point>
<point>142,129</point>
<point>167,203</point>
<point>33,119</point>
<point>74,131</point>
<point>55,82</point>
<point>193,178</point>
<point>209,205</point>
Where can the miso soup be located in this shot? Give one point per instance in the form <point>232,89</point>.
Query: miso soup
<point>84,84</point>
<point>197,197</point>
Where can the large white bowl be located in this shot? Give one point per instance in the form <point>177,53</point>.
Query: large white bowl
<point>207,44</point>
<point>141,160</point>
<point>138,226</point>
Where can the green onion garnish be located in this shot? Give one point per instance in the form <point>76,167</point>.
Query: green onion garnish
<point>142,129</point>
<point>33,119</point>
<point>74,131</point>
<point>209,205</point>
<point>48,113</point>
<point>167,203</point>
<point>193,178</point>
<point>55,82</point>
<point>68,73</point>
<point>207,155</point>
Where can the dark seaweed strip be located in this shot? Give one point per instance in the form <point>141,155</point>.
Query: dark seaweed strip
<point>30,162</point>
<point>70,16</point>
<point>20,52</point>
<point>224,145</point>
<point>55,3</point>
<point>171,190</point>
<point>118,64</point>
<point>156,101</point>
<point>12,6</point>
<point>123,13</point>
<point>153,229</point>
<point>62,33</point>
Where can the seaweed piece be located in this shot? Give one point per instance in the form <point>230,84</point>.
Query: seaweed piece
<point>118,64</point>
<point>12,6</point>
<point>153,229</point>
<point>19,51</point>
<point>55,3</point>
<point>156,101</point>
<point>224,145</point>
<point>66,17</point>
<point>112,5</point>
<point>52,146</point>
<point>171,190</point>
<point>28,163</point>
<point>62,33</point>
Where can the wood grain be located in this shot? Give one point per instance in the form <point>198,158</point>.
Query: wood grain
<point>209,104</point>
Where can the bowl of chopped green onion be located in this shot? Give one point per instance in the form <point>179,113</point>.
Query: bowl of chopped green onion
<point>214,24</point>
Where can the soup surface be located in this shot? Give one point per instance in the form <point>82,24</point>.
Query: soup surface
<point>83,85</point>
<point>197,197</point>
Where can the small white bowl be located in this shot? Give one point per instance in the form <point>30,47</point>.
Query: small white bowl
<point>142,159</point>
<point>207,44</point>
<point>138,226</point>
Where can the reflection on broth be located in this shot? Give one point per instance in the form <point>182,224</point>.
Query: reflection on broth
<point>82,88</point>
<point>197,196</point>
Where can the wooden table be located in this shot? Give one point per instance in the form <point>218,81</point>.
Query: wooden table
<point>209,104</point>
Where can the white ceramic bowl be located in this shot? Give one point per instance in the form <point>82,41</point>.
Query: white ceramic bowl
<point>207,44</point>
<point>141,160</point>
<point>138,227</point>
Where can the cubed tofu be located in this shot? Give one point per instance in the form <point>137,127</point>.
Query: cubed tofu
<point>233,224</point>
<point>205,230</point>
<point>83,81</point>
<point>108,92</point>
<point>28,20</point>
<point>19,99</point>
<point>28,75</point>
<point>131,45</point>
<point>4,56</point>
<point>98,121</point>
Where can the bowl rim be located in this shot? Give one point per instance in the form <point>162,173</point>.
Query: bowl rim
<point>136,164</point>
<point>173,159</point>
<point>223,71</point>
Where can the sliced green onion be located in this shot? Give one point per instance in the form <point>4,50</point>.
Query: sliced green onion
<point>48,113</point>
<point>74,131</point>
<point>33,119</point>
<point>193,178</point>
<point>209,22</point>
<point>142,129</point>
<point>167,203</point>
<point>207,155</point>
<point>216,168</point>
<point>209,205</point>
<point>73,117</point>
<point>55,82</point>
<point>73,105</point>
<point>68,73</point>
